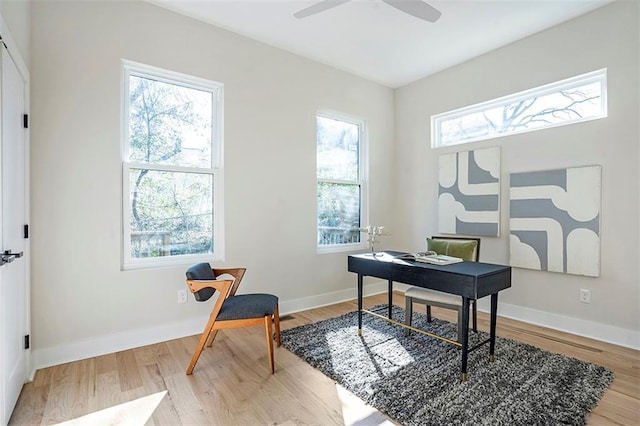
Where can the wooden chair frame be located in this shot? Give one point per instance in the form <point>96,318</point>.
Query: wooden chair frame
<point>226,289</point>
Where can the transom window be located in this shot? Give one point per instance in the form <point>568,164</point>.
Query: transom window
<point>341,181</point>
<point>172,168</point>
<point>568,101</point>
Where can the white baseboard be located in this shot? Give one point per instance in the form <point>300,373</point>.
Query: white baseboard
<point>129,339</point>
<point>580,327</point>
<point>317,301</point>
<point>47,357</point>
<point>593,330</point>
<point>116,342</point>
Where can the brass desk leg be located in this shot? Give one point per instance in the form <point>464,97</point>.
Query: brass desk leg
<point>492,358</point>
<point>359,332</point>
<point>464,377</point>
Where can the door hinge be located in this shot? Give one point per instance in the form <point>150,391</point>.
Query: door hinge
<point>26,342</point>
<point>26,231</point>
<point>25,121</point>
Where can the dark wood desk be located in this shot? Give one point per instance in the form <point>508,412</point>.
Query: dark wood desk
<point>470,280</point>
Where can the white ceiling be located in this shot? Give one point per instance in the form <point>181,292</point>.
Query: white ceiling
<point>371,39</point>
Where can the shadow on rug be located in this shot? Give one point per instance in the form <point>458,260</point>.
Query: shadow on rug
<point>416,380</point>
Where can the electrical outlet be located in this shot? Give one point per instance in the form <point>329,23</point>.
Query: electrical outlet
<point>182,296</point>
<point>585,295</point>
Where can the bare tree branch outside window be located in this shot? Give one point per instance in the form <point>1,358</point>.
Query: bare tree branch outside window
<point>571,102</point>
<point>170,210</point>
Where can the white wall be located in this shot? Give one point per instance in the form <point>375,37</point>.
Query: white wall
<point>17,16</point>
<point>606,38</point>
<point>83,303</point>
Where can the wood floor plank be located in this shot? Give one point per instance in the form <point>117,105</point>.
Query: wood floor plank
<point>129,374</point>
<point>186,404</point>
<point>618,408</point>
<point>106,363</point>
<point>32,400</point>
<point>232,385</point>
<point>108,389</point>
<point>165,360</point>
<point>145,355</point>
<point>166,413</point>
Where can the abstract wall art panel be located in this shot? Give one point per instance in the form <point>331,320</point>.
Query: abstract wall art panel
<point>554,220</point>
<point>469,193</point>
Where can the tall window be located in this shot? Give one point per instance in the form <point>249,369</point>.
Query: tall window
<point>576,99</point>
<point>172,168</point>
<point>341,181</point>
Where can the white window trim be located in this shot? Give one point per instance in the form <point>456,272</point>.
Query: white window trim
<point>580,80</point>
<point>363,180</point>
<point>129,68</point>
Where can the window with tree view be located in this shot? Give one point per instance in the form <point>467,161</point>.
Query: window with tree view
<point>341,180</point>
<point>568,101</point>
<point>171,167</point>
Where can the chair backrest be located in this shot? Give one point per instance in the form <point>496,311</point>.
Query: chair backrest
<point>467,248</point>
<point>202,271</point>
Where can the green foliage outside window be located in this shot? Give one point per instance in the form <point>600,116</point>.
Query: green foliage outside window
<point>339,186</point>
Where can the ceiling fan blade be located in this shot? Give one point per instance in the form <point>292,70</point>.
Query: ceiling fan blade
<point>417,8</point>
<point>318,7</point>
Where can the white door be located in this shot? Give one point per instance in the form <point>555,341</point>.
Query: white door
<point>12,216</point>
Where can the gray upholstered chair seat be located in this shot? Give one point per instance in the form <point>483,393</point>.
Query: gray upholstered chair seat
<point>433,296</point>
<point>256,305</point>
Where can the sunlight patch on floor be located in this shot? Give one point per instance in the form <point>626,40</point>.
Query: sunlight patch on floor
<point>385,357</point>
<point>356,412</point>
<point>132,413</point>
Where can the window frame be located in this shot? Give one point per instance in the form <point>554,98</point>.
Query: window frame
<point>216,169</point>
<point>569,83</point>
<point>363,178</point>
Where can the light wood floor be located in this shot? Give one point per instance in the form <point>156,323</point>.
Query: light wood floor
<point>231,384</point>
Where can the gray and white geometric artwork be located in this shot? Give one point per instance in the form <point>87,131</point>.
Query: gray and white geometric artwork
<point>554,220</point>
<point>469,193</point>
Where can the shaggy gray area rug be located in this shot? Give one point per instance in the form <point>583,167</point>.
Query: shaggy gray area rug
<point>415,380</point>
